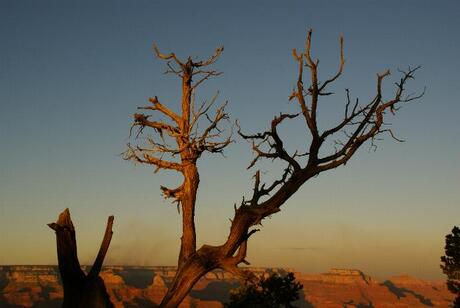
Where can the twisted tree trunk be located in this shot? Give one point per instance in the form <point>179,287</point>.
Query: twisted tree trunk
<point>184,280</point>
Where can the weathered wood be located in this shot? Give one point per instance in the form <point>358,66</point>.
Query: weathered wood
<point>80,290</point>
<point>361,124</point>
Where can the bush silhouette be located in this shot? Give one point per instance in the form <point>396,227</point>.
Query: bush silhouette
<point>274,291</point>
<point>450,263</point>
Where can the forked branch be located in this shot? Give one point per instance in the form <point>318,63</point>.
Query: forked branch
<point>80,290</point>
<point>97,265</point>
<point>361,123</point>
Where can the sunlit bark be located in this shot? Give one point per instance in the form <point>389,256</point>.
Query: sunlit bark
<point>361,123</point>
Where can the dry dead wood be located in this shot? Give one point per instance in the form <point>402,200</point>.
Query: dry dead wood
<point>80,289</point>
<point>361,123</point>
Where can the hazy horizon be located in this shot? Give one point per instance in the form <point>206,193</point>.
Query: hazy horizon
<point>291,269</point>
<point>72,75</point>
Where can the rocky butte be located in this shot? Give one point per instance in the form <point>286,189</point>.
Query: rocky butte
<point>130,286</point>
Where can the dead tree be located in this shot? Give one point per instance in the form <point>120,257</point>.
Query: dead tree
<point>361,123</point>
<point>80,289</point>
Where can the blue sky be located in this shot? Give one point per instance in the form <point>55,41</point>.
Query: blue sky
<point>73,73</point>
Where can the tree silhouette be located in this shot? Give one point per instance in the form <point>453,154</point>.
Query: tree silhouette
<point>80,290</point>
<point>450,263</point>
<point>274,291</point>
<point>178,143</point>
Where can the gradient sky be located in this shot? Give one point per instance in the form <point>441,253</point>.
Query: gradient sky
<point>72,74</point>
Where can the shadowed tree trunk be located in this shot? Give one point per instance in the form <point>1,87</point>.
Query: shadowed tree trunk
<point>80,290</point>
<point>361,123</point>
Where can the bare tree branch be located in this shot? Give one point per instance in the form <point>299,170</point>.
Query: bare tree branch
<point>162,108</point>
<point>97,266</point>
<point>167,57</point>
<point>274,142</point>
<point>207,75</point>
<point>142,120</point>
<point>212,59</point>
<point>339,72</point>
<point>144,158</point>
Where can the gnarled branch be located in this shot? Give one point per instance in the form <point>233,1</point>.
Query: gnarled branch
<point>366,120</point>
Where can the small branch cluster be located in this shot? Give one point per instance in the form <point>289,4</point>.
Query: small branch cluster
<point>360,123</point>
<point>179,142</point>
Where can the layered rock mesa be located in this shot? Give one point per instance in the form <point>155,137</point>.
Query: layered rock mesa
<point>129,286</point>
<point>352,288</point>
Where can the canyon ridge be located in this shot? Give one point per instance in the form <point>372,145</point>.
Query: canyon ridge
<point>131,286</point>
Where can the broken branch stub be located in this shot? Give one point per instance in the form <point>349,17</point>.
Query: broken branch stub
<point>80,290</point>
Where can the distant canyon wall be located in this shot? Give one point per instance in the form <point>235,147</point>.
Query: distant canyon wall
<point>128,286</point>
